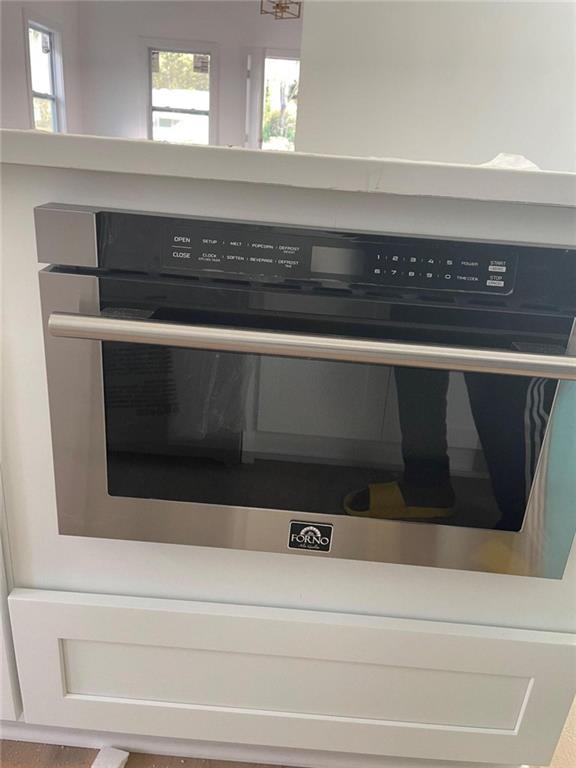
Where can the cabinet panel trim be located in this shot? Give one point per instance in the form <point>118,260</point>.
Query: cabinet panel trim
<point>56,635</point>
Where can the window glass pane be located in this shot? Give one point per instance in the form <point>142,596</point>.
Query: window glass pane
<point>180,128</point>
<point>41,61</point>
<point>180,80</point>
<point>280,99</point>
<point>44,114</point>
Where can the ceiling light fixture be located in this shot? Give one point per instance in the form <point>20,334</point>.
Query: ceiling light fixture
<point>281,9</point>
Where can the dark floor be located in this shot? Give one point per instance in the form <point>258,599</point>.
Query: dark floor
<point>290,485</point>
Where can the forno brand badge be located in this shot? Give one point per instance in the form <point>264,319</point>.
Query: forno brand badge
<point>317,537</point>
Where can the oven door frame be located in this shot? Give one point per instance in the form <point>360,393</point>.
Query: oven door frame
<point>76,397</point>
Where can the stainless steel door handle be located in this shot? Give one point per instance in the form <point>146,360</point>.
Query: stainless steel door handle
<point>334,348</point>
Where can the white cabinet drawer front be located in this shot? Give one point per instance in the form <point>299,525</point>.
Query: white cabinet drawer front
<point>292,679</point>
<point>281,683</point>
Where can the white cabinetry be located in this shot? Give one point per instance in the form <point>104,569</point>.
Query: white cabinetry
<point>317,675</point>
<point>10,705</point>
<point>291,679</point>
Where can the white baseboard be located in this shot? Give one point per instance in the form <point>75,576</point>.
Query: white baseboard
<point>21,731</point>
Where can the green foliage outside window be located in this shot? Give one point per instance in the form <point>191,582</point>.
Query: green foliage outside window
<point>282,121</point>
<point>176,70</point>
<point>43,118</point>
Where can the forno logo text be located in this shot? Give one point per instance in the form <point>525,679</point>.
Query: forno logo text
<point>304,536</point>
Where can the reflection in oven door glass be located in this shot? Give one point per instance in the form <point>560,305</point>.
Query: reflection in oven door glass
<point>322,437</point>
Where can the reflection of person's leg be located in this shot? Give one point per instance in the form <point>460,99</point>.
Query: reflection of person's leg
<point>425,490</point>
<point>510,413</point>
<point>422,402</point>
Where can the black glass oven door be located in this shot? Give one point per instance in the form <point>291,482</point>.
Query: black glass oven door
<point>223,424</point>
<point>334,438</point>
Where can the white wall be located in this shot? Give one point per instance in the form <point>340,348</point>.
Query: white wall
<point>62,17</point>
<point>443,81</point>
<point>114,47</point>
<point>106,65</point>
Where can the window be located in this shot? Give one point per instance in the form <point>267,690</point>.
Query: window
<point>180,82</point>
<point>279,103</point>
<point>41,47</point>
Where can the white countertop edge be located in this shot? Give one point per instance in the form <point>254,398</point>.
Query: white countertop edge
<point>348,174</point>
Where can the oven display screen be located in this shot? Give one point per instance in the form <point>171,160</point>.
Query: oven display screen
<point>337,261</point>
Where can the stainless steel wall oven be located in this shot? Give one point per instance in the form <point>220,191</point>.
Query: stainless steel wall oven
<point>324,393</point>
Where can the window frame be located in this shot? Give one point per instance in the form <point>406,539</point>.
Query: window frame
<point>272,53</point>
<point>192,47</point>
<point>56,71</point>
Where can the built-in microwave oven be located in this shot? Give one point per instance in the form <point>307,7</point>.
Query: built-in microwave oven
<point>324,393</point>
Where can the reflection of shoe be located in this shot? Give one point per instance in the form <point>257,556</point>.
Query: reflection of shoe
<point>386,501</point>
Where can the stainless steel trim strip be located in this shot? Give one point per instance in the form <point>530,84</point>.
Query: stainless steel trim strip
<point>66,235</point>
<point>334,348</point>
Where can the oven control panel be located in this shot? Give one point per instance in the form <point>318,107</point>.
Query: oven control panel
<point>237,253</point>
<point>478,271</point>
<point>386,261</point>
